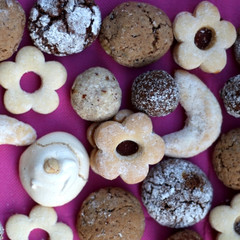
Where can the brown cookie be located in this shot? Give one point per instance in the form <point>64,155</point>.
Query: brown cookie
<point>186,234</point>
<point>237,47</point>
<point>64,27</point>
<point>110,213</point>
<point>136,34</point>
<point>12,22</point>
<point>226,158</point>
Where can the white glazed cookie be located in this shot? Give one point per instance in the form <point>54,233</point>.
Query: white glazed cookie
<point>15,132</point>
<point>19,226</point>
<point>204,118</point>
<point>203,38</point>
<point>226,220</point>
<point>44,100</point>
<point>54,169</point>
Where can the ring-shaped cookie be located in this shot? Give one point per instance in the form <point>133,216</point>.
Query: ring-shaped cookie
<point>204,118</point>
<point>44,100</point>
<point>202,38</point>
<point>19,226</point>
<point>126,149</point>
<point>54,169</point>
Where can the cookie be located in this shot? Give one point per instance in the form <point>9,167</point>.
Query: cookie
<point>136,34</point>
<point>155,93</point>
<point>1,231</point>
<point>186,234</point>
<point>64,27</point>
<point>177,193</point>
<point>96,94</point>
<point>230,96</point>
<point>226,158</point>
<point>12,23</point>
<point>237,47</point>
<point>110,213</point>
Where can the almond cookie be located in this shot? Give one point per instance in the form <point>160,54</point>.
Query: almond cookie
<point>186,234</point>
<point>177,193</point>
<point>96,94</point>
<point>12,23</point>
<point>64,27</point>
<point>226,158</point>
<point>136,34</point>
<point>110,213</point>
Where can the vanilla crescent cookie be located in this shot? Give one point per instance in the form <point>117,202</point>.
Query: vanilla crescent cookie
<point>54,169</point>
<point>226,220</point>
<point>204,118</point>
<point>19,226</point>
<point>44,100</point>
<point>15,132</point>
<point>202,38</point>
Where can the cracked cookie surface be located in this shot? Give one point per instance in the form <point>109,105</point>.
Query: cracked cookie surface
<point>176,193</point>
<point>110,213</point>
<point>136,34</point>
<point>63,27</point>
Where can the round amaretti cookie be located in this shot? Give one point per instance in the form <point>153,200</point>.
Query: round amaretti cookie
<point>237,46</point>
<point>64,27</point>
<point>136,34</point>
<point>96,94</point>
<point>12,22</point>
<point>110,213</point>
<point>230,94</point>
<point>176,193</point>
<point>186,234</point>
<point>155,93</point>
<point>226,158</point>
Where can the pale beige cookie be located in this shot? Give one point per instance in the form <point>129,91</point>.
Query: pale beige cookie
<point>44,100</point>
<point>19,226</point>
<point>226,220</point>
<point>203,38</point>
<point>54,169</point>
<point>15,132</point>
<point>204,118</point>
<point>126,149</point>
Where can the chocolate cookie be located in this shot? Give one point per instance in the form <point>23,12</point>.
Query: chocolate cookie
<point>230,94</point>
<point>64,27</point>
<point>237,47</point>
<point>96,94</point>
<point>226,158</point>
<point>176,193</point>
<point>136,34</point>
<point>110,213</point>
<point>12,23</point>
<point>186,234</point>
<point>155,93</point>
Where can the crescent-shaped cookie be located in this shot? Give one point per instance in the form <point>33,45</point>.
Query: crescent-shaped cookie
<point>204,118</point>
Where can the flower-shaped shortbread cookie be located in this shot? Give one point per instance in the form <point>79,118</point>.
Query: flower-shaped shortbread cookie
<point>19,227</point>
<point>203,39</point>
<point>126,148</point>
<point>226,220</point>
<point>44,100</point>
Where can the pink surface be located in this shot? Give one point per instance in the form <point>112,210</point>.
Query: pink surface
<point>13,197</point>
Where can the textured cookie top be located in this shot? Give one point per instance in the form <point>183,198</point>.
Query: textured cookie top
<point>110,213</point>
<point>186,234</point>
<point>64,27</point>
<point>237,47</point>
<point>177,193</point>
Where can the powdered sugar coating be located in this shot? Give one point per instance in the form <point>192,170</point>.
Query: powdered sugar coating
<point>155,93</point>
<point>231,97</point>
<point>237,46</point>
<point>177,193</point>
<point>1,231</point>
<point>64,27</point>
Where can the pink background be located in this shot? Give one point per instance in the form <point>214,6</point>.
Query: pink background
<point>13,197</point>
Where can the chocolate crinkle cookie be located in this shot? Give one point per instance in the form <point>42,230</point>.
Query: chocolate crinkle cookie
<point>110,213</point>
<point>186,234</point>
<point>230,94</point>
<point>1,231</point>
<point>64,27</point>
<point>226,158</point>
<point>155,93</point>
<point>176,193</point>
<point>237,47</point>
<point>136,34</point>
